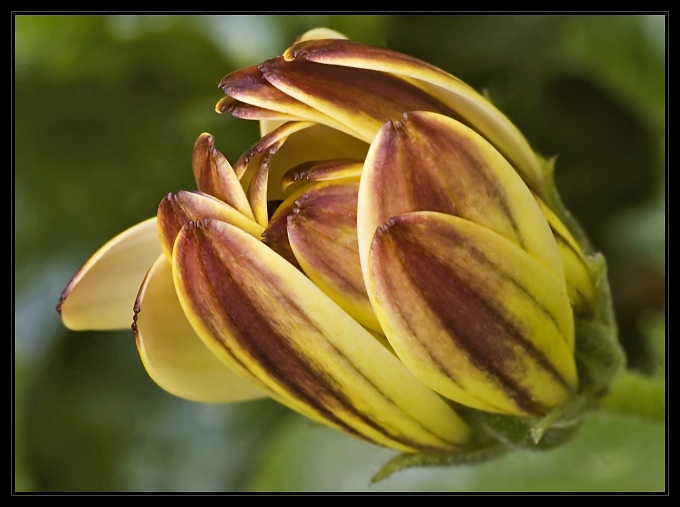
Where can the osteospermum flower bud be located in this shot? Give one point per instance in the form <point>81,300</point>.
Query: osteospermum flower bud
<point>389,258</point>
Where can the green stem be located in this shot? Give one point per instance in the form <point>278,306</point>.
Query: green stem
<point>634,394</point>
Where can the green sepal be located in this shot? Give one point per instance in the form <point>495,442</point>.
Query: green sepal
<point>534,434</point>
<point>551,196</point>
<point>497,435</point>
<point>599,356</point>
<point>466,457</point>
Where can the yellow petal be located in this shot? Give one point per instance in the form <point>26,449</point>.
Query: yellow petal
<point>299,142</point>
<point>247,163</point>
<point>429,162</point>
<point>322,230</point>
<point>360,100</point>
<point>173,355</point>
<point>475,110</point>
<point>244,111</point>
<point>249,87</point>
<point>101,295</point>
<point>579,282</point>
<point>215,176</point>
<point>576,274</point>
<point>260,158</point>
<point>268,321</point>
<point>176,210</point>
<point>319,33</point>
<point>257,190</point>
<point>472,315</point>
<point>275,235</point>
<point>325,170</point>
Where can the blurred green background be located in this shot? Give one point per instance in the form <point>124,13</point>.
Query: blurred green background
<point>106,113</point>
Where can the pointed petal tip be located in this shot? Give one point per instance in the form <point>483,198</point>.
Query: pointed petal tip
<point>62,298</point>
<point>223,105</point>
<point>241,79</point>
<point>136,309</point>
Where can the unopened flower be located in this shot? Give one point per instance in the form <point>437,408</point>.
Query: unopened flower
<point>386,245</point>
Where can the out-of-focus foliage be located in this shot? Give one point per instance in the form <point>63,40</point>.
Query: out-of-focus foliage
<point>590,462</point>
<point>106,113</point>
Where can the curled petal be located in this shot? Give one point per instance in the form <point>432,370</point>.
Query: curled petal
<point>294,143</point>
<point>257,189</point>
<point>429,162</point>
<point>176,210</point>
<point>249,86</point>
<point>322,230</point>
<point>215,176</point>
<point>101,294</point>
<point>475,110</point>
<point>361,100</point>
<point>327,170</point>
<point>276,238</point>
<point>472,315</point>
<point>173,355</point>
<point>244,111</point>
<point>260,157</point>
<point>275,235</point>
<point>247,164</point>
<point>269,322</point>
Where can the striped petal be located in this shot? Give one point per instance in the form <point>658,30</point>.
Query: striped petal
<point>269,322</point>
<point>472,315</point>
<point>322,230</point>
<point>361,100</point>
<point>580,287</point>
<point>429,162</point>
<point>250,87</point>
<point>248,163</point>
<point>173,355</point>
<point>327,170</point>
<point>176,210</point>
<point>292,144</point>
<point>258,185</point>
<point>475,110</point>
<point>215,176</point>
<point>576,274</point>
<point>275,235</point>
<point>102,293</point>
<point>244,111</point>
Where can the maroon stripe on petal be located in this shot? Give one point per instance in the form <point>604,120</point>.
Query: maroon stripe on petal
<point>422,165</point>
<point>357,92</point>
<point>323,224</point>
<point>492,341</point>
<point>220,278</point>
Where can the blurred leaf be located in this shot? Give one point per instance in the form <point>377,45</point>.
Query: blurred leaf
<point>610,453</point>
<point>96,422</point>
<point>654,329</point>
<point>103,135</point>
